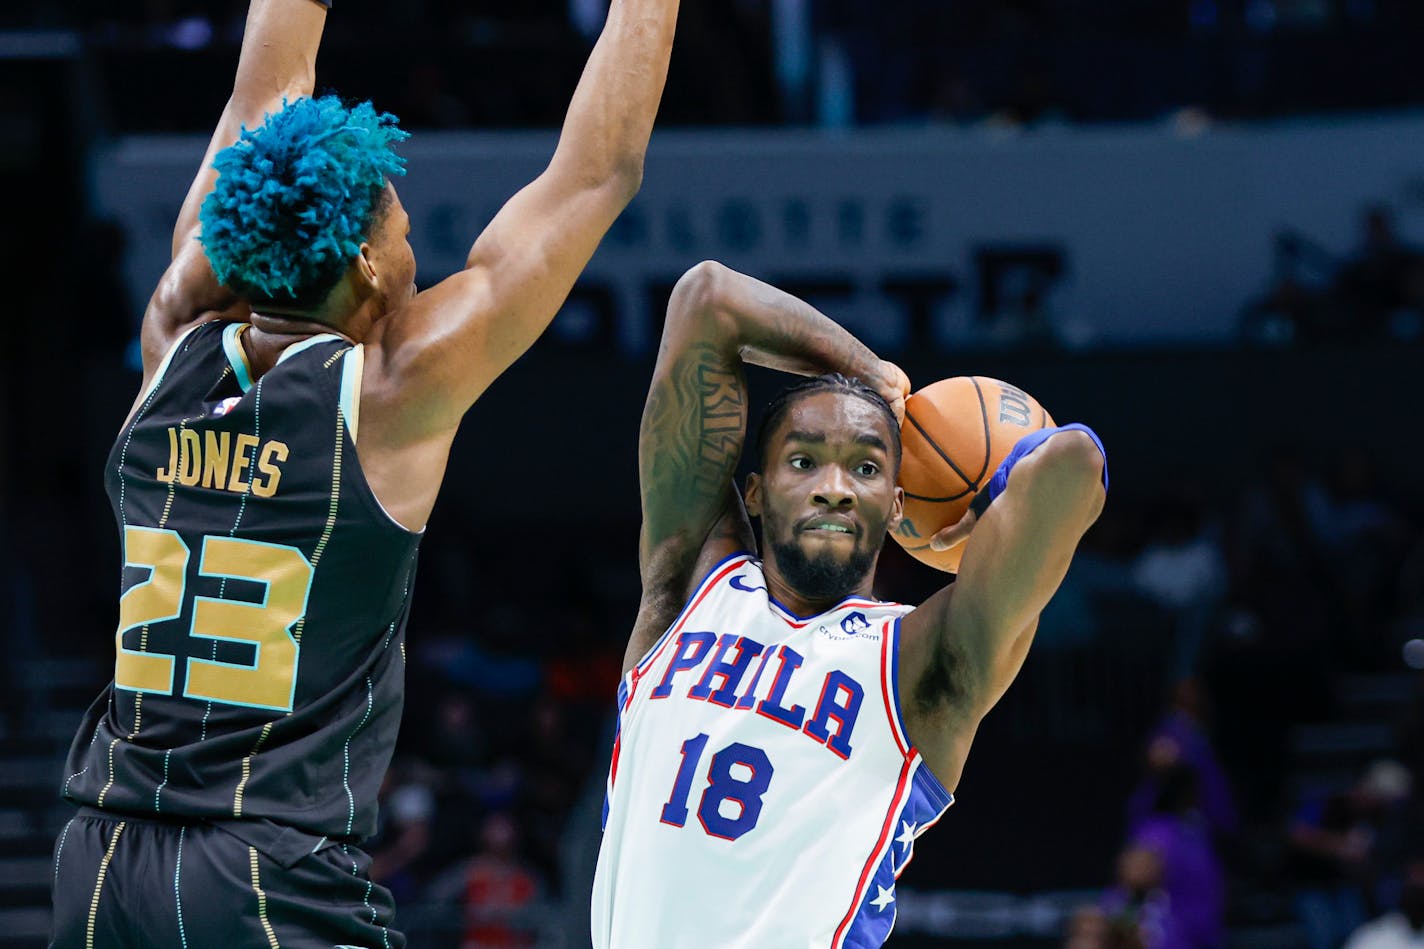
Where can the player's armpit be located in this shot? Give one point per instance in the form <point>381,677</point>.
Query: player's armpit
<point>962,648</point>
<point>670,578</point>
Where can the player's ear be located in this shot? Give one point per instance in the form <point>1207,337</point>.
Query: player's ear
<point>751,497</point>
<point>897,509</point>
<point>365,271</point>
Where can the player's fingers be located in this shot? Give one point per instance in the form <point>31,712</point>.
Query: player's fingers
<point>899,380</point>
<point>898,407</point>
<point>955,534</point>
<point>893,383</point>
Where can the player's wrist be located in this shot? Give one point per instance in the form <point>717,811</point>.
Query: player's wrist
<point>1024,447</point>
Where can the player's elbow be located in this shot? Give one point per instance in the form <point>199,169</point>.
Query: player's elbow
<point>626,178</point>
<point>1075,464</point>
<point>616,177</point>
<point>698,292</point>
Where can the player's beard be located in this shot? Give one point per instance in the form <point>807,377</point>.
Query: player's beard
<point>823,577</point>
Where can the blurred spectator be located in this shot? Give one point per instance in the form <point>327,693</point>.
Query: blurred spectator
<point>1183,571</point>
<point>1272,669</point>
<point>1279,559</point>
<point>1089,928</point>
<point>1191,876</point>
<point>1136,907</point>
<point>1178,741</point>
<point>1383,276</point>
<point>501,891</point>
<point>554,765</point>
<point>1402,928</point>
<point>1368,541</point>
<point>454,740</point>
<point>1284,524</point>
<point>1336,843</point>
<point>1376,292</point>
<point>407,811</point>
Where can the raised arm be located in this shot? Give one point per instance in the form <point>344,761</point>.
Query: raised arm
<point>278,60</point>
<point>960,650</point>
<point>453,341</point>
<point>694,423</point>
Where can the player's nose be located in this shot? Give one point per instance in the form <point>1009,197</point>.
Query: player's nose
<point>835,489</point>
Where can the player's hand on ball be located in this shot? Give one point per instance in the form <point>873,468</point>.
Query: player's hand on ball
<point>894,387</point>
<point>956,533</point>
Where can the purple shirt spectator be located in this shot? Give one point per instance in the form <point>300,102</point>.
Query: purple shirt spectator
<point>1192,880</point>
<point>1179,739</point>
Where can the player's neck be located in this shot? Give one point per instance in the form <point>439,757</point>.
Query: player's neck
<point>286,329</point>
<point>803,606</point>
<point>271,335</point>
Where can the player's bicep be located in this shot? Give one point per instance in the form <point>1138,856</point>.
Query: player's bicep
<point>188,294</point>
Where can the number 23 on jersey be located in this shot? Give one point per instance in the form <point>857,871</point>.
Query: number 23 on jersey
<point>269,680</point>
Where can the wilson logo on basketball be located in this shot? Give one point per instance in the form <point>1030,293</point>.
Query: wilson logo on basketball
<point>1013,406</point>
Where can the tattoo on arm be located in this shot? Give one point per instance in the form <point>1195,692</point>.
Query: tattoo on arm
<point>723,420</point>
<point>693,428</point>
<point>691,440</point>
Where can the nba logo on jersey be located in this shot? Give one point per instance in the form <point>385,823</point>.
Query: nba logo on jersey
<point>226,406</point>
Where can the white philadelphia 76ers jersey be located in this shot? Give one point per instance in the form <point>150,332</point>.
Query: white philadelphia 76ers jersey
<point>762,792</point>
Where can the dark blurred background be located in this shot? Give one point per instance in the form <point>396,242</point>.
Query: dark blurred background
<point>1195,224</point>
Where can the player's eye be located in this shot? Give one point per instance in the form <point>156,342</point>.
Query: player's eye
<point>867,469</point>
<point>801,463</point>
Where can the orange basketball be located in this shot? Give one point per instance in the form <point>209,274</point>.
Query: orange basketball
<point>956,433</point>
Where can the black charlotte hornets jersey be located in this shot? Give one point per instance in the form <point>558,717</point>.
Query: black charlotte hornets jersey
<point>260,649</point>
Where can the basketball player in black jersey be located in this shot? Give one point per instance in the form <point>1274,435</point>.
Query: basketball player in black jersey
<point>271,482</point>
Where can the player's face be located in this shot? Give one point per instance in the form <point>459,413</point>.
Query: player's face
<point>828,494</point>
<point>391,254</point>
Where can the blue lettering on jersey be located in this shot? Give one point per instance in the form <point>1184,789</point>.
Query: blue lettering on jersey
<point>748,698</point>
<point>730,672</point>
<point>726,666</point>
<point>830,706</point>
<point>771,705</point>
<point>737,583</point>
<point>691,650</point>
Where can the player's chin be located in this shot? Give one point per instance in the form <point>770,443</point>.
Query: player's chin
<point>814,542</point>
<point>837,553</point>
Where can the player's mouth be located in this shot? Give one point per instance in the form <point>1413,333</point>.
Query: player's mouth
<point>828,526</point>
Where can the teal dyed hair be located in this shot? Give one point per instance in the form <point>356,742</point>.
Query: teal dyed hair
<point>296,197</point>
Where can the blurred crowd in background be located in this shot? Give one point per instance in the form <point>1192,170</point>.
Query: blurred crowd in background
<point>804,61</point>
<point>1258,642</point>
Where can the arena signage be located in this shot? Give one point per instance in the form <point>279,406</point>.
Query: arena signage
<point>933,237</point>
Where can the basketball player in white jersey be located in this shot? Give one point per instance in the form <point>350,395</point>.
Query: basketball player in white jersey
<point>784,737</point>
